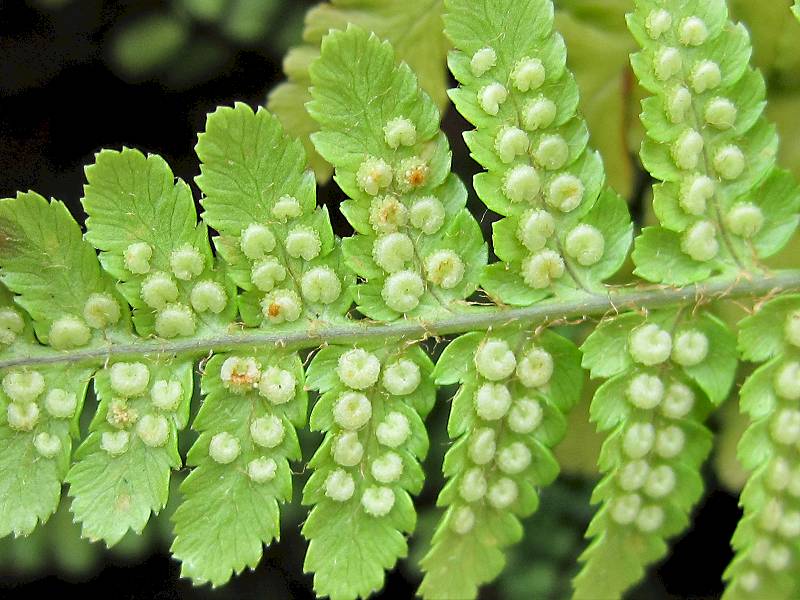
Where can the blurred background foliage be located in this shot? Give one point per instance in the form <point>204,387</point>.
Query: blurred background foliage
<point>78,75</point>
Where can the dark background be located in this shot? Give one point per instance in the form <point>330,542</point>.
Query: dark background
<point>63,96</point>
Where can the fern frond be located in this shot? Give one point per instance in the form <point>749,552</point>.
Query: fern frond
<point>241,471</point>
<point>141,301</point>
<point>766,539</point>
<point>56,275</point>
<point>563,230</point>
<point>665,373</point>
<point>122,469</point>
<point>418,249</point>
<point>278,246</point>
<point>39,412</point>
<point>414,27</point>
<point>505,418</point>
<point>723,205</point>
<point>145,225</point>
<point>72,304</point>
<point>373,399</point>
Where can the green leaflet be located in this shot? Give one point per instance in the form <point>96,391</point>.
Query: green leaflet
<point>381,132</point>
<point>35,461</point>
<point>722,205</point>
<point>766,538</point>
<point>145,225</point>
<point>74,304</point>
<point>562,230</point>
<point>39,410</point>
<point>666,373</point>
<point>56,274</point>
<point>278,245</point>
<point>763,335</point>
<point>413,27</point>
<point>371,408</point>
<point>122,469</point>
<point>505,418</point>
<point>247,436</point>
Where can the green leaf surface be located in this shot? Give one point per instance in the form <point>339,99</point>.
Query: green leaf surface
<point>136,206</point>
<point>715,374</point>
<point>46,261</point>
<point>658,257</point>
<point>762,335</point>
<point>605,351</point>
<point>228,513</point>
<point>267,185</point>
<point>615,561</point>
<point>131,198</point>
<point>354,565</point>
<point>719,134</point>
<point>118,478</point>
<point>414,29</point>
<point>30,479</point>
<point>480,518</point>
<point>358,91</point>
<point>494,40</point>
<point>247,164</point>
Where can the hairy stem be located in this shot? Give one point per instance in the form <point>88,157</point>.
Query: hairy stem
<point>582,306</point>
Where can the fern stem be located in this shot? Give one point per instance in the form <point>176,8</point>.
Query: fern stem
<point>580,306</point>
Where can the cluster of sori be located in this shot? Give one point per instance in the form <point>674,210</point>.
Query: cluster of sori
<point>100,310</point>
<point>241,461</point>
<point>34,406</point>
<point>278,246</point>
<point>371,410</point>
<point>165,266</point>
<point>666,371</point>
<point>707,140</point>
<point>417,247</point>
<point>265,431</point>
<point>653,436</point>
<point>39,410</point>
<point>540,174</point>
<point>141,402</point>
<point>507,414</point>
<point>160,292</point>
<point>766,538</point>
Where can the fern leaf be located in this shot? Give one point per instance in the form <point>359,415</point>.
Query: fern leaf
<point>145,225</point>
<point>73,303</point>
<point>56,274</point>
<point>561,229</point>
<point>241,469</point>
<point>505,418</point>
<point>39,411</point>
<point>278,246</point>
<point>371,406</point>
<point>418,248</point>
<point>666,373</point>
<point>413,27</point>
<point>722,203</point>
<point>122,469</point>
<point>766,538</point>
